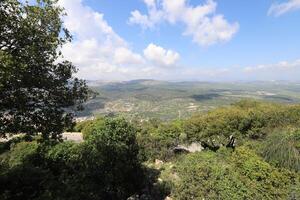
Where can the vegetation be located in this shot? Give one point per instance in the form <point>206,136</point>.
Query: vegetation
<point>119,159</point>
<point>91,127</point>
<point>105,166</point>
<point>36,91</point>
<point>167,101</point>
<point>232,175</point>
<point>244,119</point>
<point>283,149</point>
<point>248,149</point>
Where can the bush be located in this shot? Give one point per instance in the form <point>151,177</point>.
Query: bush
<point>282,149</point>
<point>157,142</point>
<point>245,119</point>
<point>7,145</point>
<point>21,176</point>
<point>80,125</point>
<point>23,153</point>
<point>238,175</point>
<point>89,127</point>
<point>114,151</point>
<point>105,166</point>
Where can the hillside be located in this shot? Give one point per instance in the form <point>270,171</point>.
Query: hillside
<point>144,99</point>
<point>70,131</point>
<point>249,150</point>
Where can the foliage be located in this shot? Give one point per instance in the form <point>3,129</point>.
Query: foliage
<point>80,125</point>
<point>22,153</point>
<point>116,153</point>
<point>157,140</point>
<point>92,126</point>
<point>36,89</point>
<point>238,175</point>
<point>108,163</point>
<point>105,166</point>
<point>282,149</point>
<point>146,99</point>
<point>39,93</point>
<point>20,175</point>
<point>7,145</point>
<point>245,119</point>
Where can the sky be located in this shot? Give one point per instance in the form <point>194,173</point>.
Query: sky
<point>198,40</point>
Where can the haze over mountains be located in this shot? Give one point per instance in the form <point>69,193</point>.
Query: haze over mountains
<point>147,98</point>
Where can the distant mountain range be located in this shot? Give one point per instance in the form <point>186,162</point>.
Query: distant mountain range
<point>147,98</point>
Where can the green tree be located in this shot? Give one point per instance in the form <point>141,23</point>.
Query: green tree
<point>105,166</point>
<point>113,150</point>
<point>37,90</point>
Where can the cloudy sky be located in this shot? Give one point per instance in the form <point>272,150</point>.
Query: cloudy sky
<point>205,40</point>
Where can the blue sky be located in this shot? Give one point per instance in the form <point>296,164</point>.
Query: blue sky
<point>184,39</point>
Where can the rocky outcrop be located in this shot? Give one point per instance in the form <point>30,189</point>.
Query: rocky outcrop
<point>192,148</point>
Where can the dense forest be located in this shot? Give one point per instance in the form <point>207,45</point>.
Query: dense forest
<point>246,150</point>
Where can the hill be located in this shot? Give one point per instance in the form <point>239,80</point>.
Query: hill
<point>144,99</point>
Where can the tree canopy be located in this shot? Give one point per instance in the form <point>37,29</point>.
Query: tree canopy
<point>38,89</point>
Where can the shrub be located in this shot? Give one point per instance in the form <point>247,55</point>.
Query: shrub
<point>80,125</point>
<point>238,175</point>
<point>113,150</point>
<point>23,153</point>
<point>6,145</point>
<point>105,166</point>
<point>89,127</point>
<point>245,119</point>
<point>157,142</point>
<point>21,176</point>
<point>282,149</point>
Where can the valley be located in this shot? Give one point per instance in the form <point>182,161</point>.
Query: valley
<point>146,99</point>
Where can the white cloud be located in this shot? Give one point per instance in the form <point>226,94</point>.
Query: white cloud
<point>125,56</point>
<point>147,21</point>
<point>284,70</point>
<point>283,66</point>
<point>202,23</point>
<point>278,9</point>
<point>161,56</point>
<point>99,52</point>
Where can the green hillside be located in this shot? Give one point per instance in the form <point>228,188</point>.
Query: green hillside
<point>65,138</point>
<point>249,150</point>
<point>144,99</point>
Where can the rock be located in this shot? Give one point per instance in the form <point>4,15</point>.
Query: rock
<point>192,148</point>
<point>195,147</point>
<point>180,149</point>
<point>134,197</point>
<point>158,163</point>
<point>140,197</point>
